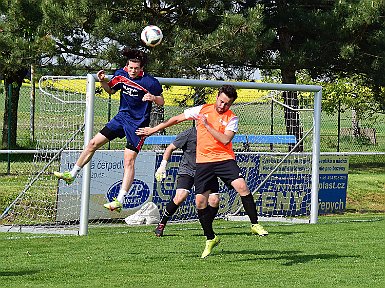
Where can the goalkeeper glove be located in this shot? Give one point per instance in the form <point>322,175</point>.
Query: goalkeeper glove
<point>160,173</point>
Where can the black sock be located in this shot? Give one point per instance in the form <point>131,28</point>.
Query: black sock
<point>213,211</point>
<point>171,208</point>
<point>206,223</point>
<point>250,208</point>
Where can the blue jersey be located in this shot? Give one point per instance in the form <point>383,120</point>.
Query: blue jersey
<point>131,94</point>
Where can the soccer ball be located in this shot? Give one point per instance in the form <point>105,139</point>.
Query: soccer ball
<point>151,35</point>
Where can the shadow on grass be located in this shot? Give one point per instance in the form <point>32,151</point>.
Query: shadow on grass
<point>221,232</point>
<point>291,257</point>
<point>17,273</point>
<point>248,233</point>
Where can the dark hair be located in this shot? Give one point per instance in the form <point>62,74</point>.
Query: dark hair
<point>135,56</point>
<point>229,90</point>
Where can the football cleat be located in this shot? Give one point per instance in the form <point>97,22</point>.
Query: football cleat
<point>66,176</point>
<point>210,244</point>
<point>114,205</point>
<point>258,229</point>
<point>159,230</point>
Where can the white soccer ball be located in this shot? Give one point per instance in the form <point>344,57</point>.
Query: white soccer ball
<point>151,35</point>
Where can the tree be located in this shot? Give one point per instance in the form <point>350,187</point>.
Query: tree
<point>351,94</point>
<point>201,37</point>
<point>98,30</point>
<point>363,52</point>
<point>21,45</point>
<point>296,36</point>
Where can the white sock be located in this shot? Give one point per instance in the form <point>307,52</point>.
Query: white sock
<point>121,196</point>
<point>75,171</point>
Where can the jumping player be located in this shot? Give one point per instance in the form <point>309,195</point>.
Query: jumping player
<point>138,90</point>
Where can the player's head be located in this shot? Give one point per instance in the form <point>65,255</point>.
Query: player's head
<point>136,60</point>
<point>227,94</point>
<point>135,55</point>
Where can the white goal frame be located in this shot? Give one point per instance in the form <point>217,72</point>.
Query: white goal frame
<point>317,90</point>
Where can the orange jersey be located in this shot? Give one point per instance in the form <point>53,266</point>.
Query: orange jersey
<point>210,149</point>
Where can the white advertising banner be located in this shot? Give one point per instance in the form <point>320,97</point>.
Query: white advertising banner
<point>106,178</point>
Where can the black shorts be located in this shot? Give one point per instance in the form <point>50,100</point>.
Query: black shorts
<point>207,174</point>
<point>184,181</point>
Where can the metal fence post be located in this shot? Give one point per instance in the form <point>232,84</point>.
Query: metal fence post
<point>32,107</point>
<point>9,128</point>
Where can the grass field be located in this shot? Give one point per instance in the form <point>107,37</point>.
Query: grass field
<point>338,252</point>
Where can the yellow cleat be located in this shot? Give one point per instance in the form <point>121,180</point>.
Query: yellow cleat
<point>114,205</point>
<point>258,229</point>
<point>210,244</point>
<point>66,176</point>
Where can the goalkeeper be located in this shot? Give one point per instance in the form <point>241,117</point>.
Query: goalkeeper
<point>187,141</point>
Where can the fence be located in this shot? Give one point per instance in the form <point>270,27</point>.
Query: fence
<point>337,135</point>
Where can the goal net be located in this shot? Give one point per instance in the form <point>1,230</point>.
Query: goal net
<point>277,149</point>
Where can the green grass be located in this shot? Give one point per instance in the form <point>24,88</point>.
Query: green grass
<point>366,188</point>
<point>337,252</point>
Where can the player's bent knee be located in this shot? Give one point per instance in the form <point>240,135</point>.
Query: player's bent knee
<point>129,159</point>
<point>200,201</point>
<point>180,196</point>
<point>240,186</point>
<point>129,164</point>
<point>214,200</point>
<point>92,146</point>
<point>214,204</point>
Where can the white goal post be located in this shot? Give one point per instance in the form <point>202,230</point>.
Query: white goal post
<point>317,90</point>
<point>277,148</point>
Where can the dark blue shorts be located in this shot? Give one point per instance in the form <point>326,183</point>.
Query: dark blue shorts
<point>118,127</point>
<point>207,174</point>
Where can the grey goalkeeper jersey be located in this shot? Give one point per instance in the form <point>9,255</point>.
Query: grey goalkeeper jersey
<point>187,141</point>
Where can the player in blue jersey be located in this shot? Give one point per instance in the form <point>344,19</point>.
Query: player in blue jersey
<point>138,91</point>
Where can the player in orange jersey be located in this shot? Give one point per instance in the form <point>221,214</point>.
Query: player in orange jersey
<point>215,158</point>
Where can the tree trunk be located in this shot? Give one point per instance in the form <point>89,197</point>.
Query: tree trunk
<point>12,83</point>
<point>290,98</point>
<point>32,108</point>
<point>355,124</point>
<point>292,119</point>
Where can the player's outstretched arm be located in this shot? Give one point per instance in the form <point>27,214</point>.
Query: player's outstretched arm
<point>147,131</point>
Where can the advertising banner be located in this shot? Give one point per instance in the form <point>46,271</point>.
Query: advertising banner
<point>285,193</point>
<point>106,179</point>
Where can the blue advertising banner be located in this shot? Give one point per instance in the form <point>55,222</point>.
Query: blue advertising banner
<point>285,193</point>
<point>333,184</point>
